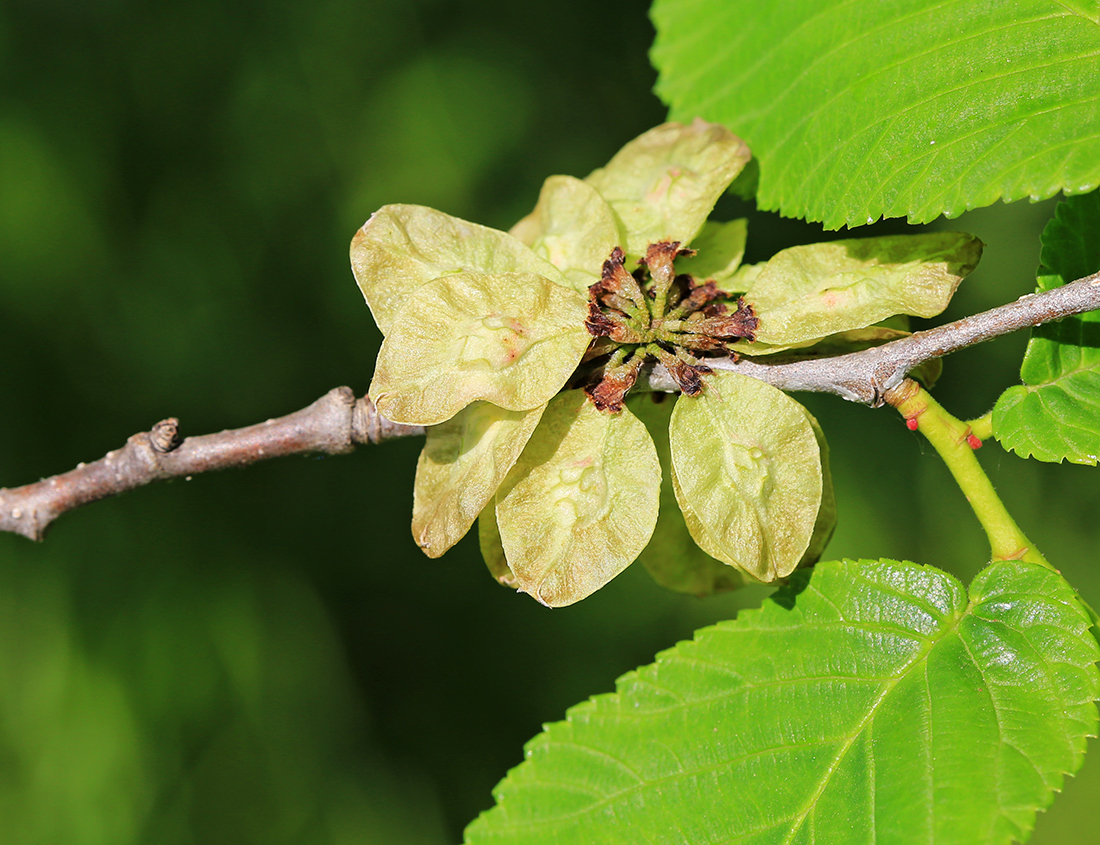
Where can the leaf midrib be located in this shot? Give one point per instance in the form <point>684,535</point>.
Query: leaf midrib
<point>872,711</point>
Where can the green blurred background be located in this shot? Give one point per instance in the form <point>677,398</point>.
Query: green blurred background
<point>263,656</point>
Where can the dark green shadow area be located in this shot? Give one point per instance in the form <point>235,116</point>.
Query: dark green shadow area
<point>264,655</point>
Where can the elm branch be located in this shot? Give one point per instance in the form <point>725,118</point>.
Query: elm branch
<point>866,375</point>
<point>334,424</point>
<point>338,422</point>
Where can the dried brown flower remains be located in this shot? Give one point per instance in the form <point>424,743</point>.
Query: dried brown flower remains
<point>656,314</point>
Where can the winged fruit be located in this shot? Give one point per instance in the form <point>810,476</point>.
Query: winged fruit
<point>518,351</point>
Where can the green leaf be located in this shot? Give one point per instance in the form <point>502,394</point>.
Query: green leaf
<point>403,246</point>
<point>511,339</point>
<point>866,702</point>
<point>664,183</point>
<point>581,503</point>
<point>672,556</point>
<point>573,228</point>
<point>857,111</point>
<point>1055,414</point>
<point>747,472</point>
<point>807,292</point>
<point>463,462</point>
<point>720,247</point>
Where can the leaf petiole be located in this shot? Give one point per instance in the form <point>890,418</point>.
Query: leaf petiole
<point>955,442</point>
<point>982,427</point>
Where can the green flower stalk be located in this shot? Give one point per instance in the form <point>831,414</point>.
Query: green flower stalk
<point>519,350</point>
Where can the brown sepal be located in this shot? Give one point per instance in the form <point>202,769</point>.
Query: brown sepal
<point>598,323</point>
<point>615,279</point>
<point>609,393</point>
<point>684,374</point>
<point>741,323</point>
<point>700,296</point>
<point>687,378</point>
<point>658,258</point>
<point>616,302</point>
<point>601,324</point>
<point>701,343</point>
<point>624,334</point>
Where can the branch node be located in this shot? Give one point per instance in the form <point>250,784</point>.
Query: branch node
<point>343,394</point>
<point>165,436</point>
<point>368,426</point>
<point>337,422</point>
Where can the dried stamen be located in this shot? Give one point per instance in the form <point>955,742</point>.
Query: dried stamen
<point>698,297</point>
<point>609,393</point>
<point>614,279</point>
<point>655,313</point>
<point>684,374</point>
<point>742,323</point>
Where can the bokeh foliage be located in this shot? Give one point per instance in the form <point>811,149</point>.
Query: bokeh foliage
<point>265,655</point>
